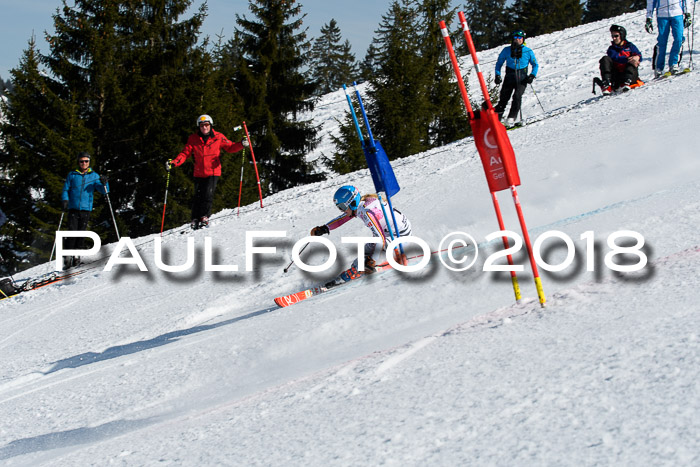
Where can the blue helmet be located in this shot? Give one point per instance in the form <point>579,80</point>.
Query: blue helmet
<point>347,197</point>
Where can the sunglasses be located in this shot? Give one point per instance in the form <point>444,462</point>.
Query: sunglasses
<point>615,35</point>
<point>518,37</point>
<point>84,161</point>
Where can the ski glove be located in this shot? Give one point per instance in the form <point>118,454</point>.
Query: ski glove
<point>649,26</point>
<point>245,143</point>
<point>498,79</point>
<point>103,179</point>
<point>530,79</point>
<point>370,265</point>
<point>320,230</point>
<point>65,205</point>
<point>687,20</point>
<point>168,165</point>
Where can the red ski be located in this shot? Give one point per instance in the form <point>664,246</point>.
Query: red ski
<point>291,299</point>
<point>347,276</point>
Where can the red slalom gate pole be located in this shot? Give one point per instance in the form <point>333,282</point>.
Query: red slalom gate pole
<point>472,117</point>
<point>475,59</point>
<point>455,67</point>
<point>240,187</point>
<point>252,154</point>
<point>509,163</point>
<point>506,245</point>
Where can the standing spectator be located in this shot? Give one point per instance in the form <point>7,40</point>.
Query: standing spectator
<point>77,200</point>
<point>206,146</point>
<point>619,68</point>
<point>671,16</point>
<point>517,58</point>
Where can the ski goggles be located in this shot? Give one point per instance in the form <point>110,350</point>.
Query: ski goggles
<point>344,206</point>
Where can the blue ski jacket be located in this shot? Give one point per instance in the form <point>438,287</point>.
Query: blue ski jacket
<point>528,58</point>
<point>620,53</point>
<point>79,188</point>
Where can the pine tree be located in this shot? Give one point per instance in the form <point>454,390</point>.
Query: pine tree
<point>133,69</point>
<point>448,120</point>
<point>400,109</point>
<point>370,64</point>
<point>488,22</point>
<point>415,104</point>
<point>601,9</point>
<point>348,155</point>
<point>332,62</point>
<point>537,17</point>
<point>275,91</point>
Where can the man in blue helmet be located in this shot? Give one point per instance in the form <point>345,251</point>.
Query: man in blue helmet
<point>517,58</point>
<point>368,209</point>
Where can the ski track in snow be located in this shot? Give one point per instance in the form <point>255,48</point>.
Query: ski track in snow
<point>431,368</point>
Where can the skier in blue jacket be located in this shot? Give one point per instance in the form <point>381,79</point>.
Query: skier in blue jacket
<point>517,58</point>
<point>77,196</point>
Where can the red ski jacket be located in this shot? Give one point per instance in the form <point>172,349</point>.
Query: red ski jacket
<point>207,160</point>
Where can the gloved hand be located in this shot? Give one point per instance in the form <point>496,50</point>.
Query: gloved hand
<point>103,179</point>
<point>687,20</point>
<point>498,79</point>
<point>649,26</point>
<point>370,265</point>
<point>65,205</point>
<point>320,230</point>
<point>530,78</point>
<point>168,165</point>
<point>245,143</point>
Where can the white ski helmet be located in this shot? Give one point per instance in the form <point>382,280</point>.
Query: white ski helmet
<point>204,119</point>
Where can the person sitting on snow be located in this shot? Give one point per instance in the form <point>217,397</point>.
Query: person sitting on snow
<point>619,68</point>
<point>368,209</point>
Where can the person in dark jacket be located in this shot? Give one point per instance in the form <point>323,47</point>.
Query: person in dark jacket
<point>619,68</point>
<point>205,146</point>
<point>78,191</point>
<point>517,58</point>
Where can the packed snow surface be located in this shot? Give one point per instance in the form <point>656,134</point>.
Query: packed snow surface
<point>433,367</point>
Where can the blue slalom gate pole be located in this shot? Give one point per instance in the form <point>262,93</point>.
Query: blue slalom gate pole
<point>380,168</point>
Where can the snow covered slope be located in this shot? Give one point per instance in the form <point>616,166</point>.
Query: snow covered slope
<point>429,368</point>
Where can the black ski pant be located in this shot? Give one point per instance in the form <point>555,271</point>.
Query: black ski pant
<point>203,196</point>
<point>77,220</point>
<point>513,84</point>
<point>610,73</point>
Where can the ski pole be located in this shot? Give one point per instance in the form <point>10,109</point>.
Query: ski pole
<point>692,36</point>
<point>255,164</point>
<point>54,242</point>
<point>114,221</point>
<point>538,99</point>
<point>165,203</point>
<point>300,252</point>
